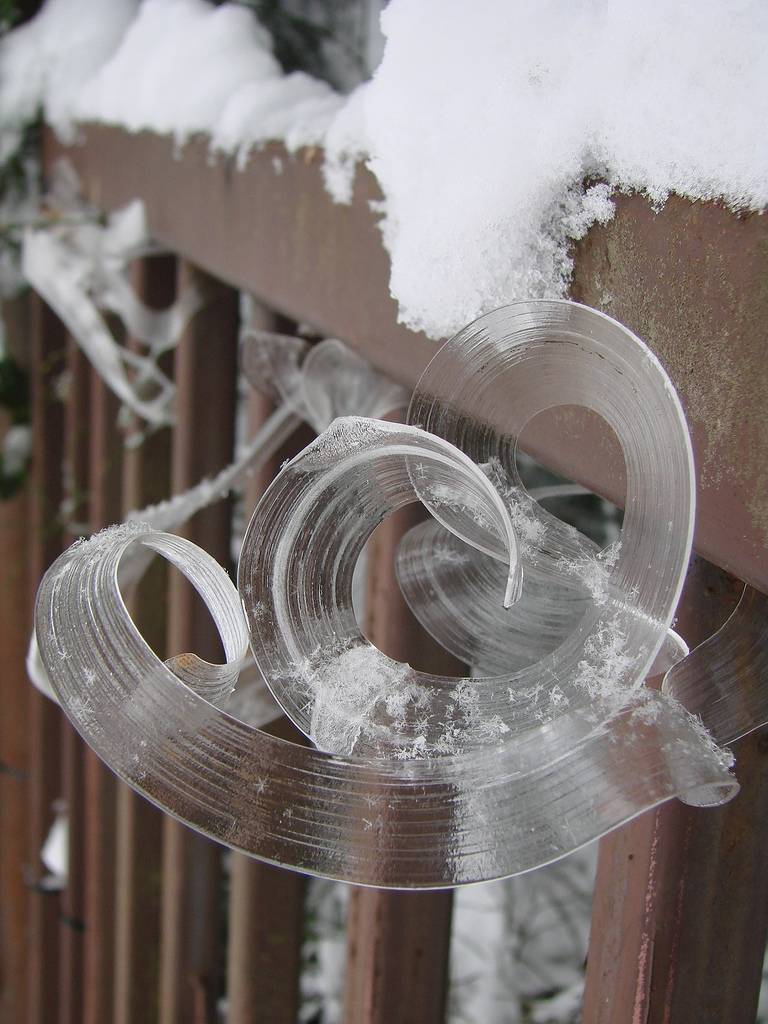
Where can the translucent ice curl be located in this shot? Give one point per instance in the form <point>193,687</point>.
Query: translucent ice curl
<point>307,383</point>
<point>423,781</point>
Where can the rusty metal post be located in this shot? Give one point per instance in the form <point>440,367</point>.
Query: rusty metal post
<point>48,340</point>
<point>14,632</point>
<point>139,825</point>
<point>106,450</point>
<point>265,903</point>
<point>203,441</point>
<point>397,942</point>
<point>681,901</point>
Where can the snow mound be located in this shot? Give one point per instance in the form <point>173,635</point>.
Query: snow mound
<point>499,130</point>
<point>185,66</point>
<point>47,61</point>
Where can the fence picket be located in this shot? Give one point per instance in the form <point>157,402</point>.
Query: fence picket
<point>681,899</point>
<point>203,441</point>
<point>106,448</point>
<point>397,942</point>
<point>265,903</point>
<point>77,424</point>
<point>14,753</point>
<point>47,347</point>
<point>139,826</point>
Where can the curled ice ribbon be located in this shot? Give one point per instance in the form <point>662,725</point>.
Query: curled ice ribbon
<point>415,780</point>
<point>314,384</point>
<point>82,269</point>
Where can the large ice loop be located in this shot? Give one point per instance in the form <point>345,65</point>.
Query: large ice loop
<point>415,780</point>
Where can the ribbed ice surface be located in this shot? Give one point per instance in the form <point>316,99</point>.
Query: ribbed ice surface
<point>417,780</point>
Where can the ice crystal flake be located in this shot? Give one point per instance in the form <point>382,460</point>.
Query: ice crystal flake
<point>349,688</point>
<point>722,755</point>
<point>594,571</point>
<point>606,662</point>
<point>557,699</point>
<point>645,709</point>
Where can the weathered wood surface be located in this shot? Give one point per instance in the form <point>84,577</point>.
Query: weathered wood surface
<point>47,361</point>
<point>76,479</point>
<point>398,943</point>
<point>681,899</point>
<point>266,904</point>
<point>14,693</point>
<point>106,451</point>
<point>14,629</point>
<point>690,280</point>
<point>205,372</point>
<point>139,825</point>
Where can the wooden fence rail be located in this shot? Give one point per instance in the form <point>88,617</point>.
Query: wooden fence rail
<point>154,925</point>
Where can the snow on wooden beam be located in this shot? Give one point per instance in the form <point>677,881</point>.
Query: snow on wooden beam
<point>686,279</point>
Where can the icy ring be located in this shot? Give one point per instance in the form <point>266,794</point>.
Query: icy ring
<point>420,781</point>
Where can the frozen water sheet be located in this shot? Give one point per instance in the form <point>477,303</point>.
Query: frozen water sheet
<point>422,781</point>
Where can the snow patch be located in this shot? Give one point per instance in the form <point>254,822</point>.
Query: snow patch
<point>499,132</point>
<point>47,62</point>
<point>16,449</point>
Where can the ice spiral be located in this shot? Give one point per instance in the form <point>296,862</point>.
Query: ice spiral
<point>420,781</point>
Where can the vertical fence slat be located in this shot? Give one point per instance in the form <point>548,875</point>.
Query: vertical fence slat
<point>203,441</point>
<point>397,942</point>
<point>265,903</point>
<point>14,629</point>
<point>264,948</point>
<point>47,340</point>
<point>72,921</point>
<point>106,447</point>
<point>76,440</point>
<point>14,632</point>
<point>139,827</point>
<point>681,901</point>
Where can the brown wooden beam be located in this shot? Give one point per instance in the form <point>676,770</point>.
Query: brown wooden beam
<point>264,946</point>
<point>77,437</point>
<point>680,912</point>
<point>14,627</point>
<point>203,442</point>
<point>106,452</point>
<point>138,866</point>
<point>265,903</point>
<point>14,687</point>
<point>48,346</point>
<point>397,942</point>
<point>687,279</point>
